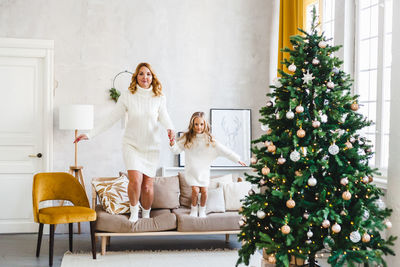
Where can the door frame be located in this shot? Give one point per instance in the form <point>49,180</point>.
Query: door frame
<point>43,49</point>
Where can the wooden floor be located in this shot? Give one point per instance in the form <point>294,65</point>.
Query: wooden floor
<point>20,249</point>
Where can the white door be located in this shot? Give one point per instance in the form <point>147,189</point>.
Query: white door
<point>25,127</point>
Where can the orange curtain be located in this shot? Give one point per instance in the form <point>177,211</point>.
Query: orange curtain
<point>291,17</point>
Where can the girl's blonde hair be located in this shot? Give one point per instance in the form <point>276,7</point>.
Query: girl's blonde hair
<point>157,87</point>
<point>191,134</point>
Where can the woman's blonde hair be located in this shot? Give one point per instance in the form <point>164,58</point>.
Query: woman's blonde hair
<point>157,87</point>
<point>191,134</point>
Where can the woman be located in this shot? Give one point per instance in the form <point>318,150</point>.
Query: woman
<point>146,107</point>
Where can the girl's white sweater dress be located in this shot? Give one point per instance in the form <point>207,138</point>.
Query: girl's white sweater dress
<point>199,156</point>
<point>141,140</point>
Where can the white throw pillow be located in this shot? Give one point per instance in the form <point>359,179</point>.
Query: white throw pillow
<point>234,192</point>
<point>215,200</point>
<point>215,181</point>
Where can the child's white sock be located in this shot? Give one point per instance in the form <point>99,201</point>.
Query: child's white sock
<point>193,211</point>
<point>145,213</point>
<point>134,213</point>
<point>202,212</point>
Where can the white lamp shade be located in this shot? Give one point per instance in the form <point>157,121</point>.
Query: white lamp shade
<point>76,117</point>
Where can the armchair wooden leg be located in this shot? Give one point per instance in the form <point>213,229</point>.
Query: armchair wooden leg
<point>93,238</point>
<point>39,240</point>
<point>51,245</point>
<point>71,232</point>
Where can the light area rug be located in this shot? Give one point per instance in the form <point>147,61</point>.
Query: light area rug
<point>175,258</point>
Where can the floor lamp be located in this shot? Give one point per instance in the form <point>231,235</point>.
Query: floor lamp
<point>76,117</point>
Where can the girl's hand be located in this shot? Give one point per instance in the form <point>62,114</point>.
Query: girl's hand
<point>242,163</point>
<point>81,137</point>
<point>171,134</point>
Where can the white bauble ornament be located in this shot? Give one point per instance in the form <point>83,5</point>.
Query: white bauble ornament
<point>270,104</point>
<point>380,204</point>
<point>262,182</point>
<point>260,214</point>
<point>365,215</point>
<point>324,118</point>
<point>277,83</point>
<point>352,139</point>
<point>346,195</point>
<point>330,85</point>
<point>322,44</point>
<point>308,241</point>
<point>285,229</point>
<point>343,213</point>
<point>292,67</point>
<point>281,160</point>
<point>344,181</point>
<point>316,124</point>
<point>264,127</point>
<point>336,228</point>
<point>267,143</point>
<point>365,179</point>
<point>355,237</point>
<point>326,223</point>
<point>301,133</point>
<point>306,215</point>
<point>251,192</point>
<point>312,181</point>
<point>333,149</point>
<point>289,115</point>
<point>265,170</point>
<point>242,221</point>
<point>290,204</point>
<point>366,238</point>
<point>388,224</point>
<point>253,160</point>
<point>310,234</point>
<point>277,116</point>
<point>294,156</point>
<point>299,109</point>
<point>335,70</point>
<point>315,61</point>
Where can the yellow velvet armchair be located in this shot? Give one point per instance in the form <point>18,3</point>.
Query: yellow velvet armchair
<point>61,186</point>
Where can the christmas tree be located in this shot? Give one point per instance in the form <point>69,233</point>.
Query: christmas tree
<point>311,168</point>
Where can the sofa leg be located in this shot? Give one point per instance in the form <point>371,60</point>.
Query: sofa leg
<point>227,238</point>
<point>108,242</point>
<point>103,245</point>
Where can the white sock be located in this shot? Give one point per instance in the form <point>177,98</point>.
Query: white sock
<point>202,212</point>
<point>193,211</point>
<point>134,213</point>
<point>145,213</point>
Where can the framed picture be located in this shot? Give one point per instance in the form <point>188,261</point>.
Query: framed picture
<point>232,128</point>
<point>181,156</point>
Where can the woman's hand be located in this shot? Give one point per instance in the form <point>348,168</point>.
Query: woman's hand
<point>81,137</point>
<point>242,163</point>
<point>171,135</point>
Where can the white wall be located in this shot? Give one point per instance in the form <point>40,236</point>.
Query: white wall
<point>207,54</point>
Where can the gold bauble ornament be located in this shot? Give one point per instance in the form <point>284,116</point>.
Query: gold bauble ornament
<point>346,195</point>
<point>349,145</point>
<point>253,160</point>
<point>366,238</point>
<point>271,148</point>
<point>301,133</point>
<point>371,179</point>
<point>285,229</point>
<point>271,259</point>
<point>326,223</point>
<point>298,173</point>
<point>299,109</point>
<point>365,179</point>
<point>269,131</point>
<point>281,160</point>
<point>336,228</point>
<point>316,124</point>
<point>290,204</point>
<point>354,106</point>
<point>267,143</point>
<point>265,170</point>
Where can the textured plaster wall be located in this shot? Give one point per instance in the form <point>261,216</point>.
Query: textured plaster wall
<point>207,54</point>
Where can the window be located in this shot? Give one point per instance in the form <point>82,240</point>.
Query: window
<point>328,19</point>
<point>373,37</point>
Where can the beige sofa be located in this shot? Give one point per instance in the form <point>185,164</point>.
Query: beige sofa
<point>169,215</point>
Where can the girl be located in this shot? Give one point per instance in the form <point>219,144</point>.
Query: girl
<point>200,150</point>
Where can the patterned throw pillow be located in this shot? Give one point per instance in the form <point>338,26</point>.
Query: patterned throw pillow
<point>113,194</point>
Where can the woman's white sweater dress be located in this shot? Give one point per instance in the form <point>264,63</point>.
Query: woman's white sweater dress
<point>141,140</point>
<point>198,158</point>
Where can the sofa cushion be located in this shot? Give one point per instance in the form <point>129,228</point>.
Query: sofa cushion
<point>113,194</point>
<point>216,180</point>
<point>215,200</point>
<point>233,193</point>
<point>160,220</point>
<point>166,192</point>
<point>228,221</point>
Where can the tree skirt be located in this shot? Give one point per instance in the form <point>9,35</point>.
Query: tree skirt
<point>176,258</point>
